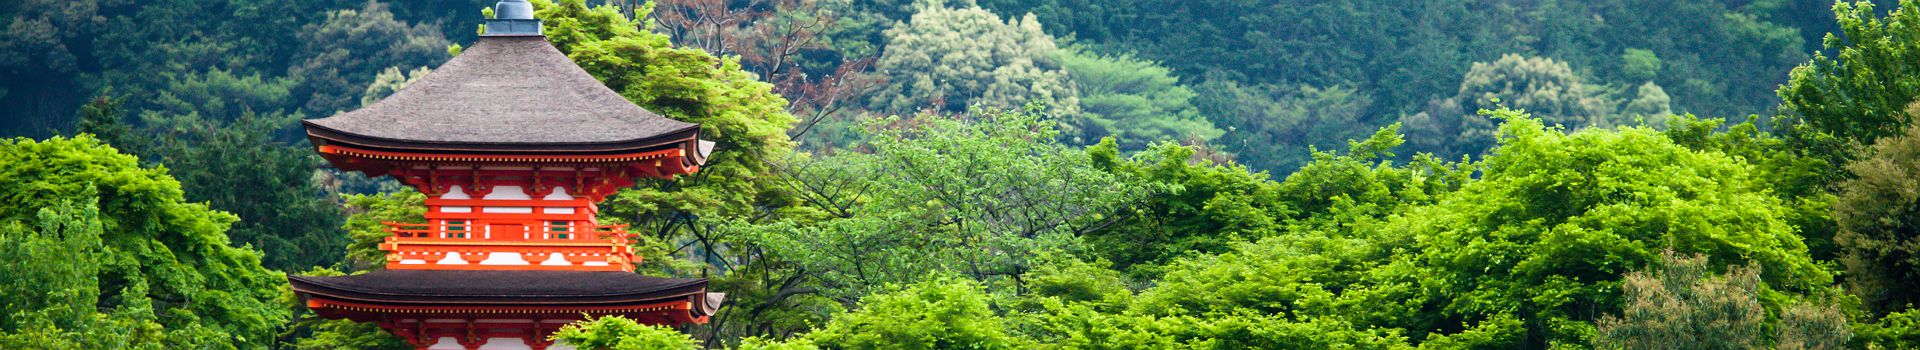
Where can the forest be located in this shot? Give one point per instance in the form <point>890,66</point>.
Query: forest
<point>1027,174</point>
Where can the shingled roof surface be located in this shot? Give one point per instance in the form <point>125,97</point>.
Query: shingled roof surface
<point>505,93</point>
<point>515,287</point>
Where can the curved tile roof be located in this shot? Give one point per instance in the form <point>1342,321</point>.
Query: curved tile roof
<point>505,94</point>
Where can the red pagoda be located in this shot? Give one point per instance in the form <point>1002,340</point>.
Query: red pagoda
<point>513,145</point>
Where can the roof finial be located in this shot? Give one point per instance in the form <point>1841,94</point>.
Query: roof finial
<point>513,9</point>
<point>513,18</point>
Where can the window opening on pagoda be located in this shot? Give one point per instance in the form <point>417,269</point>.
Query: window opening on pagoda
<point>560,229</point>
<point>455,229</point>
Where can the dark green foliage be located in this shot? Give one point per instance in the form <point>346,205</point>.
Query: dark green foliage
<point>1879,216</point>
<point>1715,58</point>
<point>343,52</point>
<point>162,269</point>
<point>1274,128</point>
<point>1136,102</point>
<point>237,167</point>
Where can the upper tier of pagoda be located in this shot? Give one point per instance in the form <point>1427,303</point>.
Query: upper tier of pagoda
<point>507,96</point>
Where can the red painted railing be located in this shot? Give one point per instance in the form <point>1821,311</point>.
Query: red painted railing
<point>434,247</point>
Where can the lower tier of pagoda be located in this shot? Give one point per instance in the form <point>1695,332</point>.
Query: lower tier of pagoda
<point>477,309</point>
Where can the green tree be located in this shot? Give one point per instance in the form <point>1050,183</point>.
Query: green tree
<point>157,254</point>
<point>1195,207</point>
<point>1135,101</point>
<point>49,298</point>
<point>1859,95</point>
<point>621,333</point>
<point>1899,330</point>
<point>1678,304</point>
<point>1799,180</point>
<point>389,81</point>
<point>1543,86</point>
<point>1639,64</point>
<point>685,217</point>
<point>950,59</point>
<point>1557,219</point>
<point>1879,216</point>
<point>939,313</point>
<point>738,112</point>
<point>344,52</point>
<point>979,197</point>
<point>237,166</point>
<point>1274,127</point>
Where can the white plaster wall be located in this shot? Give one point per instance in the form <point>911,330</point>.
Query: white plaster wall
<point>508,192</point>
<point>455,192</point>
<point>559,193</point>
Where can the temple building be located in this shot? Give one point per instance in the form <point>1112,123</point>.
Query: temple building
<point>513,145</point>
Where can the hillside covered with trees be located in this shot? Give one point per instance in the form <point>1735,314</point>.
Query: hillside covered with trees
<point>989,174</point>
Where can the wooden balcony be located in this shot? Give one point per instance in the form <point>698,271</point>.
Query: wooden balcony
<point>434,247</point>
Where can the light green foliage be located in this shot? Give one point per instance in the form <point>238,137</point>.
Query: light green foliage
<point>1858,95</point>
<point>350,43</point>
<point>1639,64</point>
<point>366,225</point>
<point>621,333</point>
<point>1072,280</point>
<point>1196,207</point>
<point>757,343</point>
<point>940,313</point>
<point>1526,256</point>
<point>1898,330</point>
<point>1340,189</point>
<point>161,265</point>
<point>389,81</point>
<point>950,59</point>
<point>1272,127</point>
<point>1202,208</point>
<point>1877,213</point>
<point>981,197</point>
<point>48,296</point>
<point>1557,219</point>
<point>1797,179</point>
<point>1135,101</point>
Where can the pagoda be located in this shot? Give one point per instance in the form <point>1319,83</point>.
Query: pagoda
<point>513,145</point>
